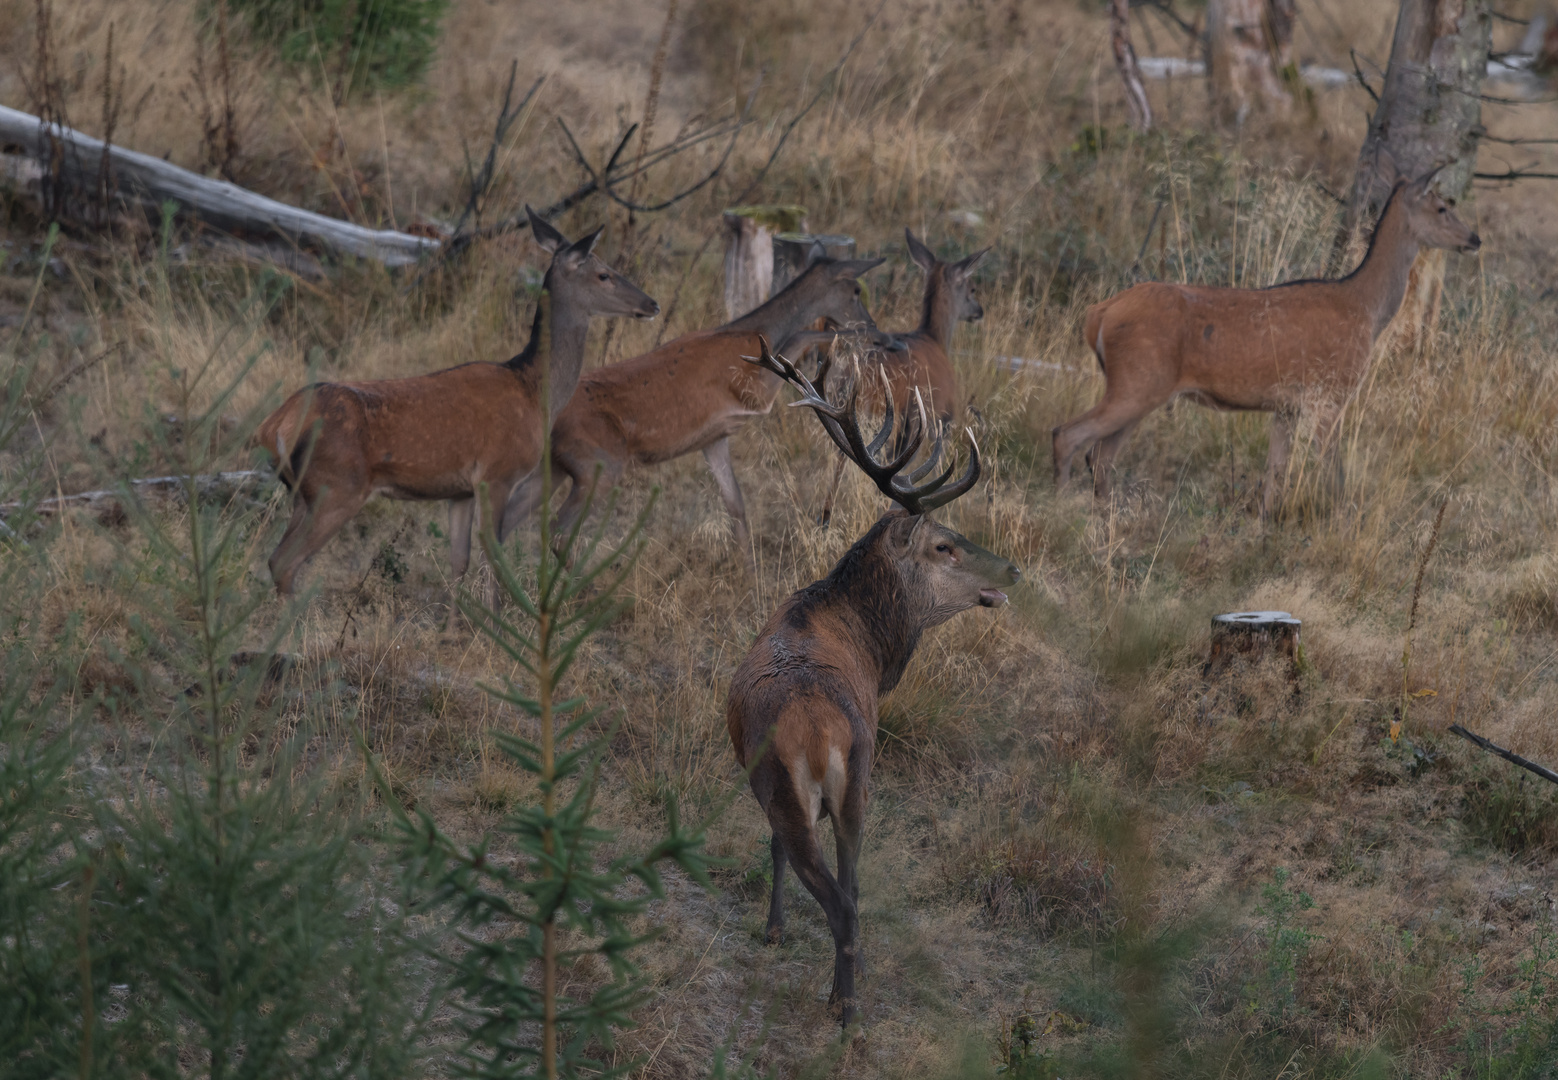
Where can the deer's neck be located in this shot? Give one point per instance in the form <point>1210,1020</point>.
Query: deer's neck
<point>1380,282</point>
<point>937,319</point>
<point>566,335</point>
<point>867,592</point>
<point>791,311</point>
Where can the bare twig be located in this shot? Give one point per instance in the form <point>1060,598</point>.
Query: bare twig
<point>1489,137</point>
<point>1499,15</point>
<point>1358,73</point>
<point>1516,174</point>
<point>1138,108</point>
<point>1530,766</point>
<point>481,181</point>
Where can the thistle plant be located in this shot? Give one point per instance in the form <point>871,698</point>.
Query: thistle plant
<point>544,872</point>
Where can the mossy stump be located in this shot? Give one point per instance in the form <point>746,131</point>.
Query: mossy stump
<point>1252,636</point>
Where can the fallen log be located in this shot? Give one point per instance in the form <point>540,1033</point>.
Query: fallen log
<point>205,485</point>
<point>148,182</point>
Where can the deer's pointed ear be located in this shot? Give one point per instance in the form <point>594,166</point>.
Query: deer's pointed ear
<point>816,253</point>
<point>549,238</point>
<point>923,257</point>
<point>1422,183</point>
<point>964,266</point>
<point>585,245</point>
<point>853,268</point>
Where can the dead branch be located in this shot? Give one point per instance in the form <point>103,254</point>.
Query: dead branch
<point>1515,174</point>
<point>1529,766</point>
<point>140,180</point>
<point>482,181</point>
<point>205,484</point>
<point>1137,106</point>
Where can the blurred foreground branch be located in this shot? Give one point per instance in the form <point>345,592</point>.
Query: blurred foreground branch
<point>1507,755</point>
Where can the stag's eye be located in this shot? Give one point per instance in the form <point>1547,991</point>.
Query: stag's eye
<point>605,277</point>
<point>945,549</point>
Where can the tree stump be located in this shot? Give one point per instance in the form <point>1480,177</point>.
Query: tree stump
<point>792,248</point>
<point>749,259</point>
<point>1252,635</point>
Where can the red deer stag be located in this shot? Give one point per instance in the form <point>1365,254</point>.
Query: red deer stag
<point>690,394</point>
<point>831,650</point>
<point>439,436</point>
<point>920,359</point>
<point>1302,346</point>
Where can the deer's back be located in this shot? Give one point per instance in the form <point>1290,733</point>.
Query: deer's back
<point>670,401</point>
<point>1238,348</point>
<point>425,436</point>
<point>924,364</point>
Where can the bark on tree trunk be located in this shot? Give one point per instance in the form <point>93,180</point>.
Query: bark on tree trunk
<point>1428,113</point>
<point>1136,104</point>
<point>1250,56</point>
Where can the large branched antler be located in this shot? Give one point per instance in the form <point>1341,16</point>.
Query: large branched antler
<point>842,424</point>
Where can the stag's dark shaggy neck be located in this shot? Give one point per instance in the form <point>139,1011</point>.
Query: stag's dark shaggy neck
<point>867,591</point>
<point>570,325</point>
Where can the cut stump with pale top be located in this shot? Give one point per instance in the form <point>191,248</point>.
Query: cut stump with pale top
<point>1252,636</point>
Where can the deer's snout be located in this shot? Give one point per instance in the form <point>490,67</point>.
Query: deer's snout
<point>1471,245</point>
<point>647,311</point>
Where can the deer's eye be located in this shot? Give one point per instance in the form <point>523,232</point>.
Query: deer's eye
<point>605,277</point>
<point>945,549</point>
<point>1444,210</point>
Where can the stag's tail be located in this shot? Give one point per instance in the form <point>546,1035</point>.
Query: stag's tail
<point>282,433</point>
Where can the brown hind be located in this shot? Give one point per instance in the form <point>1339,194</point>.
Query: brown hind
<point>809,687</point>
<point>439,436</point>
<point>1290,349</point>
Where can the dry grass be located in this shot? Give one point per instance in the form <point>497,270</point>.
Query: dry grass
<point>1054,778</point>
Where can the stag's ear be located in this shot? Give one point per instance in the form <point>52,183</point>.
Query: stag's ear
<point>816,253</point>
<point>902,532</point>
<point>966,266</point>
<point>549,238</point>
<point>585,244</point>
<point>923,257</point>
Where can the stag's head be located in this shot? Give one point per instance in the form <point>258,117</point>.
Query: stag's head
<point>956,280</point>
<point>829,289</point>
<point>577,271</point>
<point>944,571</point>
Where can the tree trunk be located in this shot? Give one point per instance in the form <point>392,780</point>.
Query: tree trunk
<point>1429,112</point>
<point>1137,106</point>
<point>1250,57</point>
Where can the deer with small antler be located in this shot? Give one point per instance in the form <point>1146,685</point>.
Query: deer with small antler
<point>802,710</point>
<point>1299,347</point>
<point>441,436</point>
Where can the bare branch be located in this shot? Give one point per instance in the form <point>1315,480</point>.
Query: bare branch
<point>482,181</point>
<point>1529,766</point>
<point>1516,174</point>
<point>1358,73</point>
<point>1138,108</point>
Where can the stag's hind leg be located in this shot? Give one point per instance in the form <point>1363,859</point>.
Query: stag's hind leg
<point>774,933</point>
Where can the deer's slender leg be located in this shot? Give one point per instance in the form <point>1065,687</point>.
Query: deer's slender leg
<point>833,490</point>
<point>717,454</point>
<point>775,932</point>
<point>321,518</point>
<point>460,513</point>
<point>1277,455</point>
<point>584,485</point>
<point>1109,416</point>
<point>1328,444</point>
<point>1103,458</point>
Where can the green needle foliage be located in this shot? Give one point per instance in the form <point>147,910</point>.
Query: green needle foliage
<point>235,907</point>
<point>40,871</point>
<point>539,895</point>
